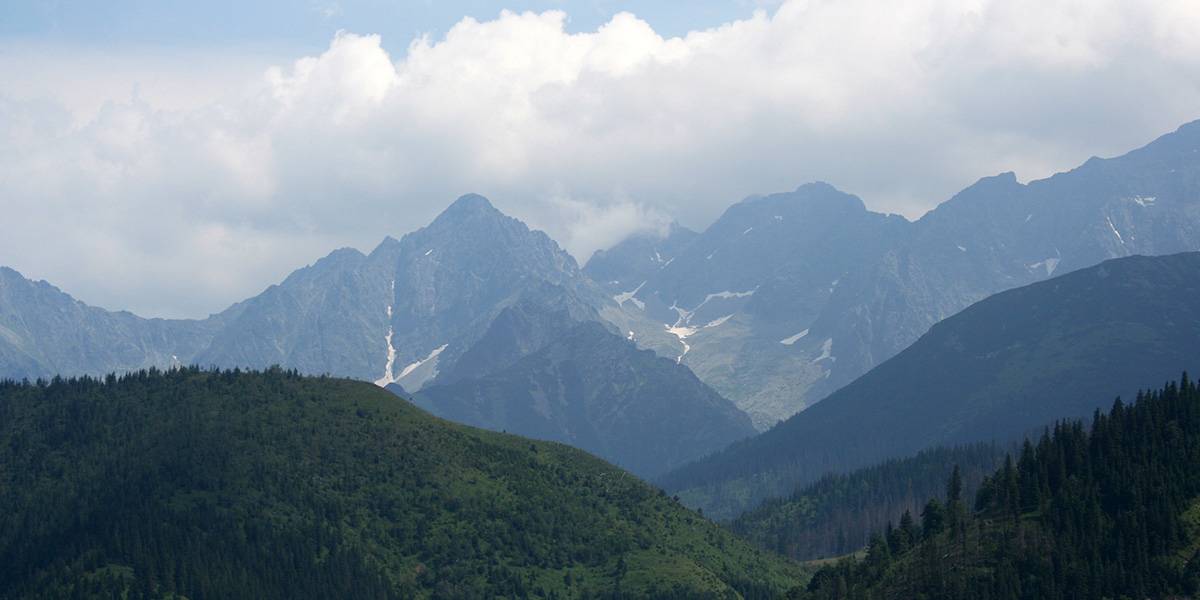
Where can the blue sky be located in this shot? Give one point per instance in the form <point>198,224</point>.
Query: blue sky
<point>308,25</point>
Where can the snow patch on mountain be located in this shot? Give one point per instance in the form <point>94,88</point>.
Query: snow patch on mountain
<point>685,316</point>
<point>391,351</point>
<point>681,332</point>
<point>624,297</point>
<point>683,328</point>
<point>788,341</point>
<point>682,315</point>
<point>1114,230</point>
<point>724,295</point>
<point>1050,264</point>
<point>391,359</point>
<point>717,322</point>
<point>416,375</point>
<point>413,367</point>
<point>826,351</point>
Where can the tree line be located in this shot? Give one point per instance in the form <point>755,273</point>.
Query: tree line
<point>1106,511</point>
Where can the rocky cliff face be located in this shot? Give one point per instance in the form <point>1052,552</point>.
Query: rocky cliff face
<point>593,390</point>
<point>407,310</point>
<point>622,268</point>
<point>418,302</point>
<point>45,332</point>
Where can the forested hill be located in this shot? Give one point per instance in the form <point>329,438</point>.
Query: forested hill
<point>838,513</point>
<point>271,485</point>
<point>1110,513</point>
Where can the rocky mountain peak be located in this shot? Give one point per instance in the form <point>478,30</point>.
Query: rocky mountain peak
<point>466,208</point>
<point>817,200</point>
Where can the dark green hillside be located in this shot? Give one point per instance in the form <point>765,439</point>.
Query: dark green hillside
<point>1110,513</point>
<point>272,485</point>
<point>838,514</point>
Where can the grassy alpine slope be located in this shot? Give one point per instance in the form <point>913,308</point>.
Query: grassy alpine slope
<point>205,484</point>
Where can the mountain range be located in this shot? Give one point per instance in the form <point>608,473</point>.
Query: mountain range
<point>788,297</point>
<point>468,296</point>
<point>394,315</point>
<point>785,299</point>
<point>1004,367</point>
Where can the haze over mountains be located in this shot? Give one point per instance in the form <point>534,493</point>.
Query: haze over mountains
<point>466,297</point>
<point>781,301</point>
<point>788,297</point>
<point>739,301</point>
<point>377,317</point>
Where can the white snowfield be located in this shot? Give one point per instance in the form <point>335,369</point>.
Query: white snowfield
<point>624,297</point>
<point>723,295</point>
<point>391,352</point>
<point>1049,264</point>
<point>682,333</point>
<point>683,329</point>
<point>391,361</point>
<point>717,322</point>
<point>410,368</point>
<point>826,351</point>
<point>1114,230</point>
<point>788,341</point>
<point>685,316</point>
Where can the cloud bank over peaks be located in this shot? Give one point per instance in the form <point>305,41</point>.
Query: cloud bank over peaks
<point>178,206</point>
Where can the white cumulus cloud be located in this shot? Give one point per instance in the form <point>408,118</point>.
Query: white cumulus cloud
<point>177,185</point>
